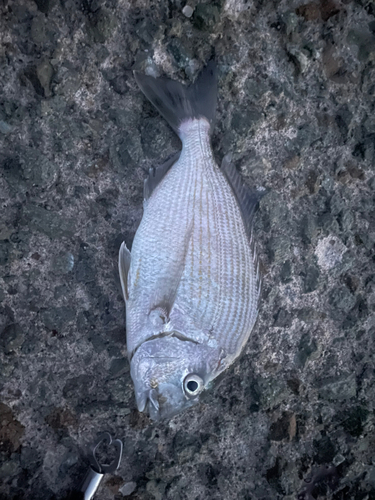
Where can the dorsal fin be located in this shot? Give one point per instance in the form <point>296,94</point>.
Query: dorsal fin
<point>247,198</point>
<point>156,174</point>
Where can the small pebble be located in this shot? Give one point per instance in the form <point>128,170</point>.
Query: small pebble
<point>187,11</point>
<point>128,488</point>
<point>329,252</point>
<point>338,459</point>
<point>5,128</point>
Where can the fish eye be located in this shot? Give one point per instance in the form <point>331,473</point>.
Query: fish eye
<point>193,384</point>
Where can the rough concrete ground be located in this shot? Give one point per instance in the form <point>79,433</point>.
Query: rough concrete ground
<point>294,417</point>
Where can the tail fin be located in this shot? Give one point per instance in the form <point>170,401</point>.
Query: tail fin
<point>178,103</point>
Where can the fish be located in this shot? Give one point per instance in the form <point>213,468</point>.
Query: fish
<point>192,280</point>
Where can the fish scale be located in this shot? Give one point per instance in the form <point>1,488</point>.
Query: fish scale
<point>191,281</point>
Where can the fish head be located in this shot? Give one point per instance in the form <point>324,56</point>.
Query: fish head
<point>169,374</point>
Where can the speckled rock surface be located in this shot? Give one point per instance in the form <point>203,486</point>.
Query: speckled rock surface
<point>294,417</point>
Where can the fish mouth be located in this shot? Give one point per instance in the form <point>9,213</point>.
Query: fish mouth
<point>158,407</point>
<point>158,414</point>
<point>148,403</point>
<point>147,400</point>
<point>153,408</point>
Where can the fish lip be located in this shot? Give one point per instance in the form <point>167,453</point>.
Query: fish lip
<point>147,402</point>
<point>153,399</point>
<point>141,399</point>
<point>153,412</point>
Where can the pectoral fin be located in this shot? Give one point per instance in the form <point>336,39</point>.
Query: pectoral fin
<point>124,260</point>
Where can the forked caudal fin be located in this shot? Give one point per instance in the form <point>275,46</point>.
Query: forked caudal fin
<point>178,103</point>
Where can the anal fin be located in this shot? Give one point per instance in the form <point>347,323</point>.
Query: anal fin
<point>124,260</point>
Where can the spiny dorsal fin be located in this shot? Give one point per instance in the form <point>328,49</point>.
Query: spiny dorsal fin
<point>156,174</point>
<point>124,260</point>
<point>247,198</point>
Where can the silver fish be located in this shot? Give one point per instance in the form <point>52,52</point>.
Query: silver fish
<point>191,282</point>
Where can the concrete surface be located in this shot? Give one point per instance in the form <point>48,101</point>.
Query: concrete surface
<point>294,417</point>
